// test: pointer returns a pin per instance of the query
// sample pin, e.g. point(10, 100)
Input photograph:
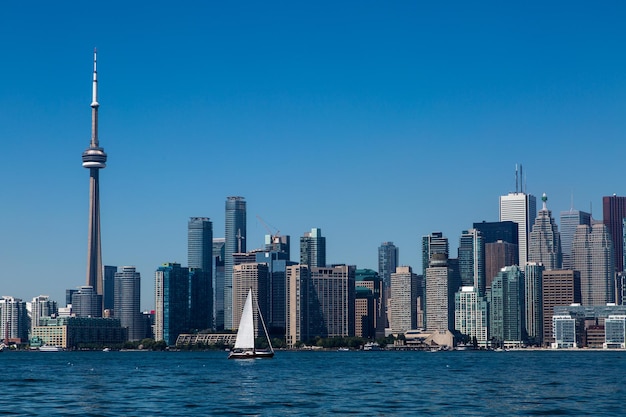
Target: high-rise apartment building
point(41, 306)
point(313, 248)
point(533, 302)
point(559, 288)
point(544, 244)
point(250, 276)
point(470, 315)
point(592, 253)
point(439, 303)
point(127, 305)
point(14, 324)
point(403, 301)
point(435, 243)
point(235, 242)
point(171, 292)
point(200, 259)
point(297, 304)
point(520, 208)
point(570, 220)
point(472, 260)
point(506, 307)
point(613, 214)
point(388, 258)
point(94, 159)
point(332, 295)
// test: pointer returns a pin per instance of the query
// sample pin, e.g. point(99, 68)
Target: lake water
point(314, 383)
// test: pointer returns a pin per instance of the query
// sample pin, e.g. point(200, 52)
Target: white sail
point(245, 333)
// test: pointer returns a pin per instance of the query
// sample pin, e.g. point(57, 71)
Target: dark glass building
point(235, 242)
point(200, 263)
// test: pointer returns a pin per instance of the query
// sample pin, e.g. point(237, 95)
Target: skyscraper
point(200, 259)
point(435, 243)
point(108, 297)
point(592, 253)
point(559, 288)
point(520, 208)
point(41, 306)
point(472, 260)
point(14, 323)
point(533, 302)
point(332, 297)
point(313, 248)
point(613, 214)
point(218, 282)
point(171, 293)
point(570, 220)
point(298, 288)
point(506, 306)
point(94, 159)
point(235, 235)
point(248, 276)
point(388, 255)
point(403, 302)
point(506, 231)
point(439, 303)
point(127, 306)
point(545, 240)
point(498, 255)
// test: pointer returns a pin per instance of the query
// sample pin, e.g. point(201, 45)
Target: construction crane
point(269, 230)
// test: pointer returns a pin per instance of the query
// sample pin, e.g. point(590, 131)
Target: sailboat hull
point(249, 354)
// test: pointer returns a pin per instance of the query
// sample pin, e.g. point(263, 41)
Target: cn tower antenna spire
point(94, 102)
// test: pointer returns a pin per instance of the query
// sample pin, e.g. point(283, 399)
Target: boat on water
point(244, 344)
point(371, 346)
point(50, 348)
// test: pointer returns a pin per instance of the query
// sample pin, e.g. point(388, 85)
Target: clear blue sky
point(375, 121)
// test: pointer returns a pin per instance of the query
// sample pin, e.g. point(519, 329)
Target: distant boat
point(50, 348)
point(371, 346)
point(106, 349)
point(343, 349)
point(244, 344)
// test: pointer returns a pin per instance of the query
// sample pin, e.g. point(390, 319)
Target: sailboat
point(244, 344)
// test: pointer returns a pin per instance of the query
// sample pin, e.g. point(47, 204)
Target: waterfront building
point(218, 282)
point(472, 260)
point(498, 255)
point(613, 214)
point(388, 259)
point(570, 220)
point(439, 303)
point(41, 306)
point(470, 315)
point(564, 330)
point(615, 332)
point(403, 300)
point(14, 322)
point(332, 294)
point(297, 299)
point(520, 208)
point(94, 159)
point(200, 263)
point(235, 242)
point(252, 276)
point(544, 244)
point(559, 288)
point(80, 332)
point(108, 297)
point(592, 253)
point(364, 313)
point(86, 303)
point(506, 307)
point(432, 244)
point(127, 305)
point(370, 279)
point(313, 248)
point(171, 291)
point(533, 302)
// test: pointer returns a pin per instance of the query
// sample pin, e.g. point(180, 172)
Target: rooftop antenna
point(516, 181)
point(521, 177)
point(571, 208)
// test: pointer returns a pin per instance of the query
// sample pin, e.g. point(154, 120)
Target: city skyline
point(207, 102)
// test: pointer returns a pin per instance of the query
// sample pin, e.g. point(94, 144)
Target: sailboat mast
point(267, 335)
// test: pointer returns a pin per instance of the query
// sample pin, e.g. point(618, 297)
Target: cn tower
point(94, 159)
